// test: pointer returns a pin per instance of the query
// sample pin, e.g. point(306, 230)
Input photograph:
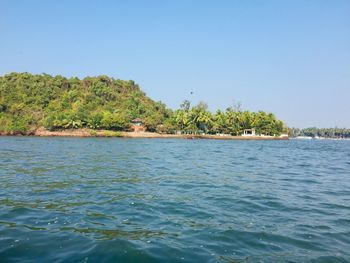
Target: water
point(173, 200)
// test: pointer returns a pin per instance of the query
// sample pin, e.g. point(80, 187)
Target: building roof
point(137, 120)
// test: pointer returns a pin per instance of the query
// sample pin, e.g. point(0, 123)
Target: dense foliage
point(321, 132)
point(231, 121)
point(28, 102)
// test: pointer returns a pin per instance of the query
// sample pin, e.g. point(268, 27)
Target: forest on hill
point(29, 102)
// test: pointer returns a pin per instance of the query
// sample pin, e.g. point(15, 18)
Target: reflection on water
point(163, 200)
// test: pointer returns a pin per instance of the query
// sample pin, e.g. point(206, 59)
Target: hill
point(30, 101)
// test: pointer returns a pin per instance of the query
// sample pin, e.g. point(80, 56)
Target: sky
point(291, 57)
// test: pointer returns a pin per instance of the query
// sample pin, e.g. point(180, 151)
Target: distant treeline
point(321, 132)
point(29, 102)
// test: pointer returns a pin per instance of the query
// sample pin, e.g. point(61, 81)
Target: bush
point(114, 121)
point(18, 126)
point(93, 133)
point(112, 134)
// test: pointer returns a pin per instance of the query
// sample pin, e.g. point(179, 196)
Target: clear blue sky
point(291, 58)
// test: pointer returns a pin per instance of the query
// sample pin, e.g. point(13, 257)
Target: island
point(45, 105)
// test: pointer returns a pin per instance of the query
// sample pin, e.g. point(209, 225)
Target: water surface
point(173, 200)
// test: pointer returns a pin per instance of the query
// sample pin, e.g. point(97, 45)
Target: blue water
point(173, 200)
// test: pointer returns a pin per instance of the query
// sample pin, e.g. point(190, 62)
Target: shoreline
point(150, 135)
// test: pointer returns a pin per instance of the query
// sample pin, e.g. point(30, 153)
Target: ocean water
point(173, 200)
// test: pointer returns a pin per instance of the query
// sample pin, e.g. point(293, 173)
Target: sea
point(173, 200)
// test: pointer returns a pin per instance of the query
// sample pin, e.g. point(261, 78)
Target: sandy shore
point(192, 136)
point(106, 133)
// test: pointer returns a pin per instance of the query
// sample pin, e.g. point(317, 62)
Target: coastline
point(150, 135)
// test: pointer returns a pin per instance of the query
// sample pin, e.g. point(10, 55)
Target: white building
point(249, 132)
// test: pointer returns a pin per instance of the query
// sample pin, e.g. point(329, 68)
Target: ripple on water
point(124, 200)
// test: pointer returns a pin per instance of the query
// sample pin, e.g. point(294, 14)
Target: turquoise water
point(173, 200)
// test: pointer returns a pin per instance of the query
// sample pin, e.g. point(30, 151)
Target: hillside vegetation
point(29, 102)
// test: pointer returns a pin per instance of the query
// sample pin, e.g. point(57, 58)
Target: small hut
point(137, 125)
point(249, 132)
